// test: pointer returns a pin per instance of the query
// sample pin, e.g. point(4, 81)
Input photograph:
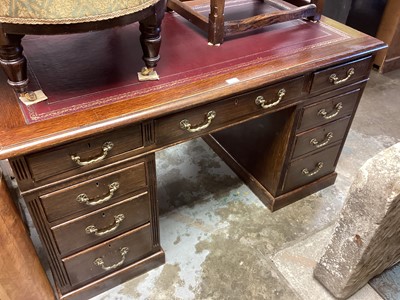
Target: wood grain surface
point(22, 276)
point(20, 138)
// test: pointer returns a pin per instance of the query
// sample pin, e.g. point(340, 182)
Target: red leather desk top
point(92, 87)
point(89, 70)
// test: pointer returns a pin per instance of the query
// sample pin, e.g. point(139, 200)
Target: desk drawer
point(109, 256)
point(102, 224)
point(85, 197)
point(329, 110)
point(98, 149)
point(320, 137)
point(310, 168)
point(200, 120)
point(340, 75)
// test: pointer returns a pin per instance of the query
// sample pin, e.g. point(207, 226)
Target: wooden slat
point(258, 21)
point(189, 14)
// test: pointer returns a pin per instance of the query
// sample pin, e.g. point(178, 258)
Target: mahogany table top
point(85, 100)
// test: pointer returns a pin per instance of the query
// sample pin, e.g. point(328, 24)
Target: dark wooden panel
point(365, 15)
point(123, 216)
point(295, 175)
point(323, 81)
point(228, 111)
point(64, 202)
point(152, 189)
point(259, 146)
point(337, 9)
point(59, 273)
point(48, 163)
point(81, 267)
point(389, 32)
point(320, 138)
point(312, 117)
point(22, 275)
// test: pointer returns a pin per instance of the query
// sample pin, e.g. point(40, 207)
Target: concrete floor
point(222, 243)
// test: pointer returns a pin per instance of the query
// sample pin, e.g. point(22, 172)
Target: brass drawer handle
point(317, 144)
point(332, 114)
point(315, 171)
point(99, 261)
point(261, 101)
point(83, 198)
point(107, 146)
point(100, 232)
point(335, 80)
point(184, 124)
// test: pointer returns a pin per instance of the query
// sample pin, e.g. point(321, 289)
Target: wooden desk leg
point(216, 22)
point(150, 38)
point(13, 61)
point(22, 276)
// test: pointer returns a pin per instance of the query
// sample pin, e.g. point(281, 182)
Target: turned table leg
point(13, 61)
point(150, 38)
point(22, 276)
point(216, 22)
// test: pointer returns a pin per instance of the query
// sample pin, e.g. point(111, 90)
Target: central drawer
point(102, 224)
point(200, 120)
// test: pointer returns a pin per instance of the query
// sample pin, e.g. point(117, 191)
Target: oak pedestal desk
point(276, 105)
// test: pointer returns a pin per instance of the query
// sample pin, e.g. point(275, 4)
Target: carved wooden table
point(277, 110)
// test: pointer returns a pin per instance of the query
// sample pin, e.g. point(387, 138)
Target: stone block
point(366, 238)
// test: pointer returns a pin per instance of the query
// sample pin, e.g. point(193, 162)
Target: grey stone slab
point(296, 263)
point(366, 239)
